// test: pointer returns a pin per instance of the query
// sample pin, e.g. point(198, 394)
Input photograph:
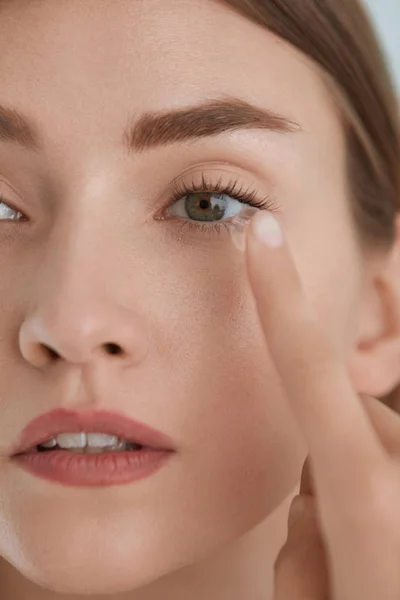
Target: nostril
point(113, 348)
point(51, 353)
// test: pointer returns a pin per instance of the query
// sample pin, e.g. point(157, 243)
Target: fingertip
point(267, 230)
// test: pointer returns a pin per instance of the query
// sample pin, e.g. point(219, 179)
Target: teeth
point(71, 440)
point(100, 440)
point(90, 443)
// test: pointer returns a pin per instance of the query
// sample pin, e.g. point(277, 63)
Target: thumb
point(300, 568)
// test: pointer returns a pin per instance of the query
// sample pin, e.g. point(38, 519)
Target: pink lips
point(108, 468)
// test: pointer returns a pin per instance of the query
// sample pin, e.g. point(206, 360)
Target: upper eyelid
point(219, 172)
point(233, 186)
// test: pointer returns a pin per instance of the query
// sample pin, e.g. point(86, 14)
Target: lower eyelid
point(213, 228)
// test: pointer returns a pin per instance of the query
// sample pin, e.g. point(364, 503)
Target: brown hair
point(340, 38)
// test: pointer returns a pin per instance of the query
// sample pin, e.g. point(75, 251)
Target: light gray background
point(387, 18)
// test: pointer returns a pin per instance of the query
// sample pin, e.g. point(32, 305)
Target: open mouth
point(99, 448)
point(88, 433)
point(86, 443)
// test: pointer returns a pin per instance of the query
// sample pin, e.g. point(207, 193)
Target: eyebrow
point(210, 118)
point(16, 127)
point(154, 129)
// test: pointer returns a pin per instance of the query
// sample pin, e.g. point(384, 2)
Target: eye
point(7, 213)
point(207, 205)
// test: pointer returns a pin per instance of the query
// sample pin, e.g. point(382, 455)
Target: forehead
point(88, 57)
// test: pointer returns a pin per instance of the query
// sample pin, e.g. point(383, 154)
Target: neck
point(242, 569)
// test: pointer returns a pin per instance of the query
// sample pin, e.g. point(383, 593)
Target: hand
point(351, 520)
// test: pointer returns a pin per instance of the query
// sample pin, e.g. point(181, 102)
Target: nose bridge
point(78, 309)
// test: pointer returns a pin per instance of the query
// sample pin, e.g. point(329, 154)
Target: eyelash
point(232, 189)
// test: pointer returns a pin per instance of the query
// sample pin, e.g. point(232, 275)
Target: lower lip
point(108, 468)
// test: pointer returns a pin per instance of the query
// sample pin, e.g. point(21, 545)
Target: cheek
point(243, 447)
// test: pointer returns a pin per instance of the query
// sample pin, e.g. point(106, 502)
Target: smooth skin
point(103, 256)
point(345, 525)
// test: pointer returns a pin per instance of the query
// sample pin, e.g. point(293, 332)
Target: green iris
point(205, 206)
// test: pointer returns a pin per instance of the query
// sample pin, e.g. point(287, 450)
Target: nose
point(83, 312)
point(81, 335)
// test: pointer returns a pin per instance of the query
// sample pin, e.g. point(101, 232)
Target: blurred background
point(386, 14)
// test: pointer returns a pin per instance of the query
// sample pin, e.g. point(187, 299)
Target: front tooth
point(101, 440)
point(71, 440)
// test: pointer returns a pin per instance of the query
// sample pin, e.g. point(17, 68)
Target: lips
point(59, 421)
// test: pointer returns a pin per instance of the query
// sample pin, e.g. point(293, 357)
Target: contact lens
point(238, 236)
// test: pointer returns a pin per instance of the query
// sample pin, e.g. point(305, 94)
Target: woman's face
point(104, 253)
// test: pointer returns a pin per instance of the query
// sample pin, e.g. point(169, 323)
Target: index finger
point(343, 445)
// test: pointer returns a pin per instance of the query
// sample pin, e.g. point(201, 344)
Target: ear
point(374, 365)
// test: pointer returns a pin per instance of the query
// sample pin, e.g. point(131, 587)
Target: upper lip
point(57, 421)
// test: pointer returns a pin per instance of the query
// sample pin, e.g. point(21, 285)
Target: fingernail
point(296, 509)
point(267, 230)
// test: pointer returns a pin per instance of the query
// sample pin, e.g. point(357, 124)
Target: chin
point(99, 554)
point(87, 579)
point(110, 556)
point(111, 569)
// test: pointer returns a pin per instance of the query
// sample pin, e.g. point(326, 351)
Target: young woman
point(166, 371)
